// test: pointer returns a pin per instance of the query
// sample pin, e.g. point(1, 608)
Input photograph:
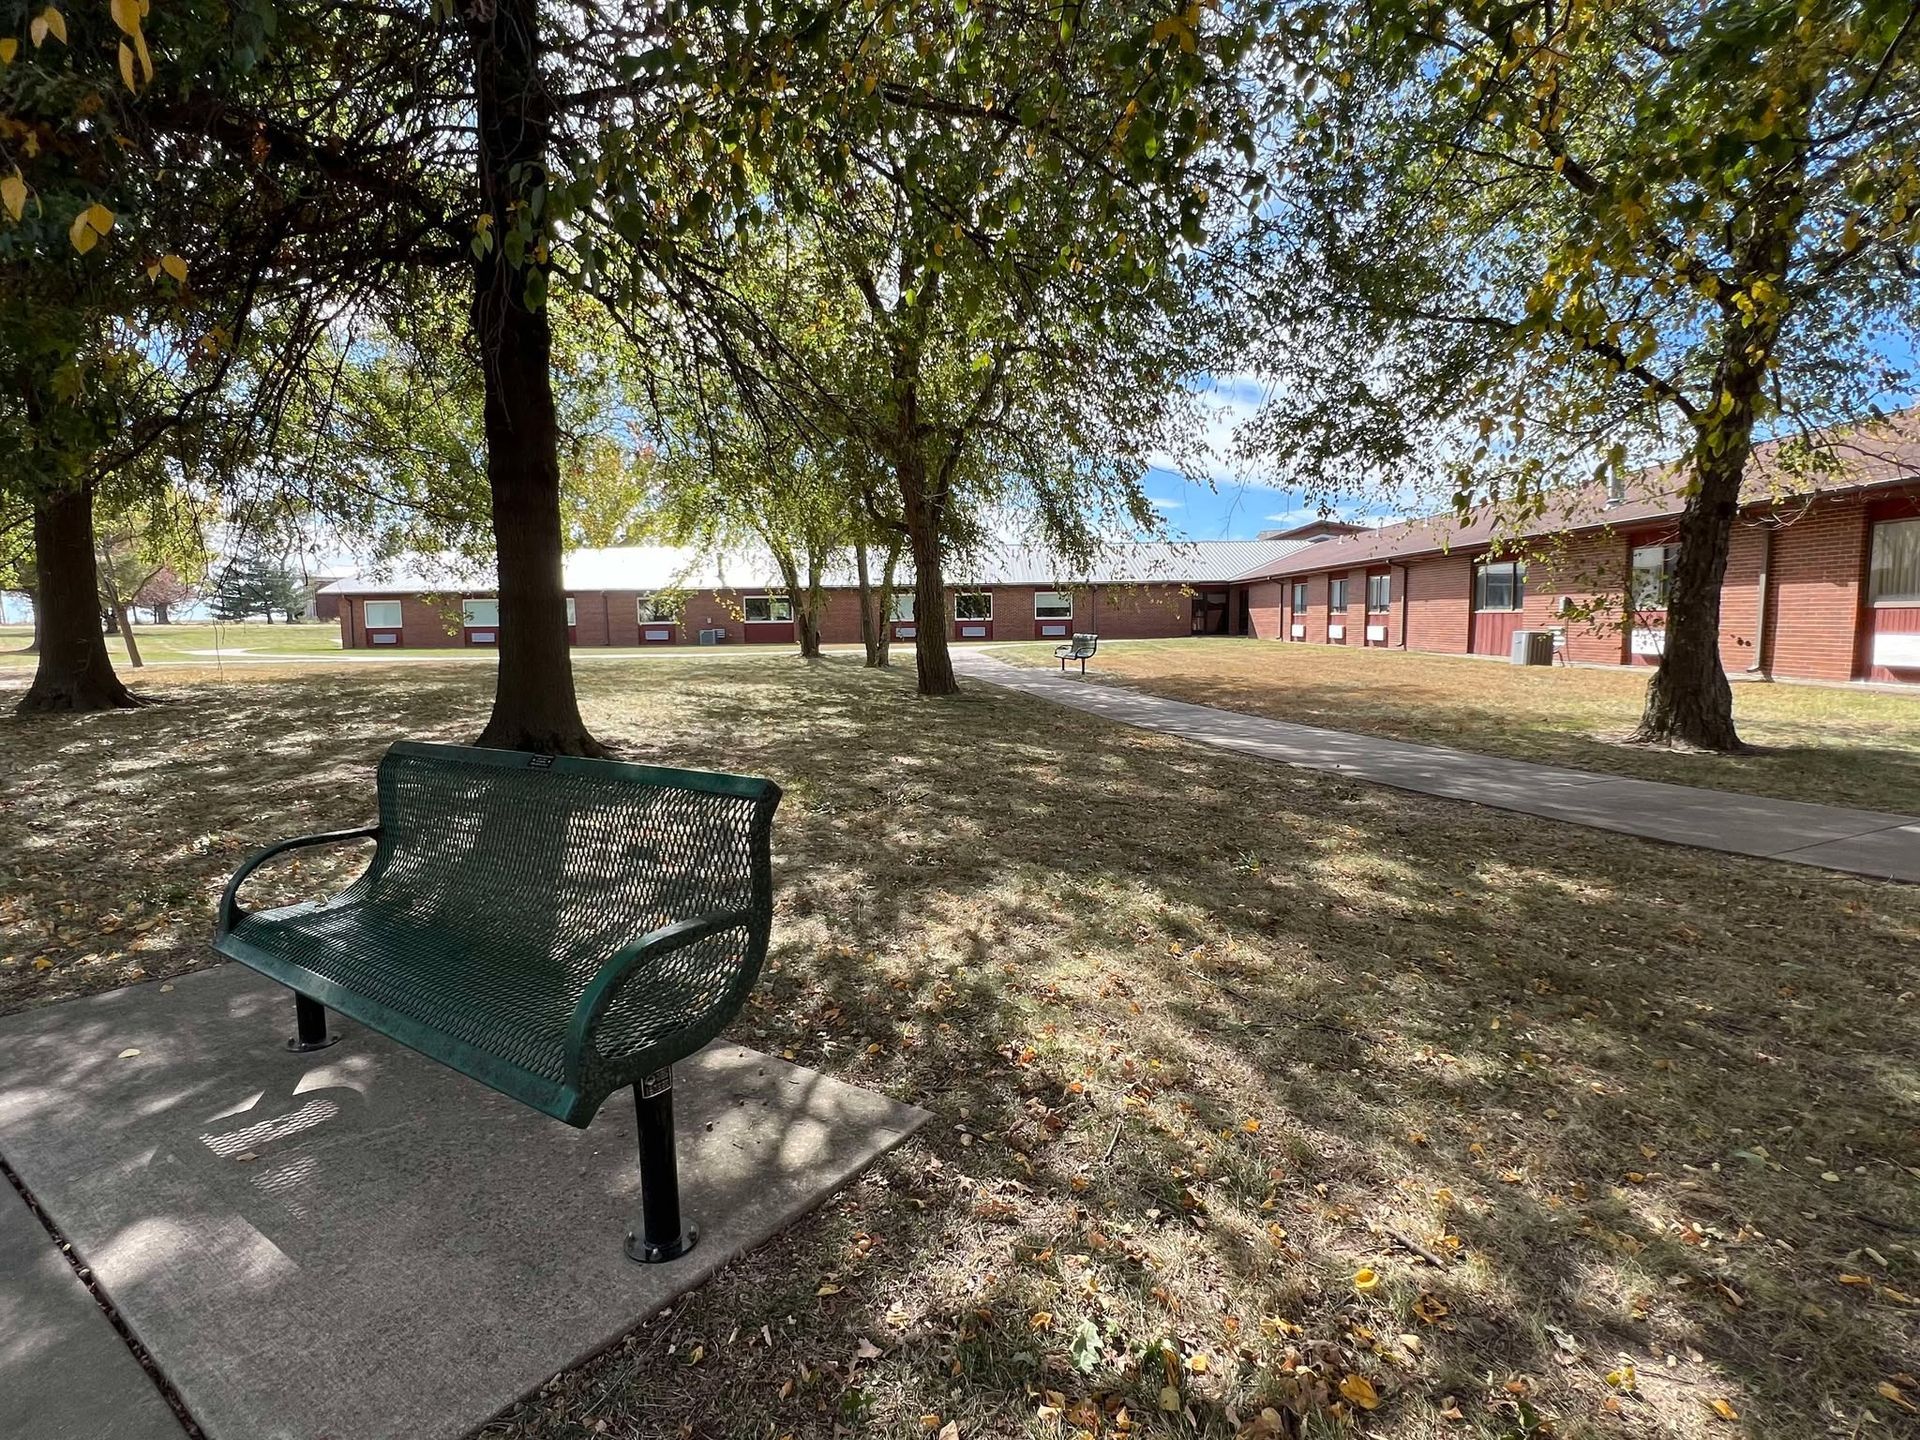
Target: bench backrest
point(563, 857)
point(1085, 644)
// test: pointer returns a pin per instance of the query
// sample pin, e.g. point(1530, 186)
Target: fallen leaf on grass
point(1724, 1410)
point(1366, 1280)
point(1887, 1390)
point(1359, 1390)
point(828, 1290)
point(1169, 1399)
point(129, 1053)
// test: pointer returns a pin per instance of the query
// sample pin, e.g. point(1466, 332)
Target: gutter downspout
point(1406, 581)
point(1762, 589)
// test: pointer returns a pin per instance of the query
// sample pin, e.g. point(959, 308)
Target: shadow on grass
point(1206, 1038)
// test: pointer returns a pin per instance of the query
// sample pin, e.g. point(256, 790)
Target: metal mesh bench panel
point(503, 883)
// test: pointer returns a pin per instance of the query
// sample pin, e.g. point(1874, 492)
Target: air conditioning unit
point(713, 637)
point(1376, 634)
point(1297, 632)
point(1532, 647)
point(1336, 632)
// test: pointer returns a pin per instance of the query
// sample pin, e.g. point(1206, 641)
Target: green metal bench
point(555, 928)
point(1082, 648)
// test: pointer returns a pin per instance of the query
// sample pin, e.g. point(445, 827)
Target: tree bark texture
point(924, 513)
point(534, 704)
point(74, 671)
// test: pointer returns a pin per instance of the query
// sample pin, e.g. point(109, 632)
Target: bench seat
point(556, 929)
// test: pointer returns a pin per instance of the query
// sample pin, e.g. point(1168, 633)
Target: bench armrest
point(630, 960)
point(232, 912)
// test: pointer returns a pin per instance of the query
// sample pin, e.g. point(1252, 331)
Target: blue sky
point(1228, 501)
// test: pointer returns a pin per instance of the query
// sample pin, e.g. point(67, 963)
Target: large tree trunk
point(922, 511)
point(74, 672)
point(1689, 700)
point(806, 600)
point(33, 647)
point(534, 706)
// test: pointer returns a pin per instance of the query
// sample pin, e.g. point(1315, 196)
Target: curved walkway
point(1861, 842)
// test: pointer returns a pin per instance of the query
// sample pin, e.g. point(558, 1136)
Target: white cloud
point(1225, 403)
point(1164, 505)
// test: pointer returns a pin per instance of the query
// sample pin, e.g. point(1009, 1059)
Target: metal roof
point(673, 567)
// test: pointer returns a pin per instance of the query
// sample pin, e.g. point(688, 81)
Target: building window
point(656, 610)
point(382, 614)
point(1299, 597)
point(1052, 605)
point(480, 614)
point(1895, 572)
point(1337, 594)
point(1499, 585)
point(1652, 576)
point(768, 609)
point(1380, 592)
point(571, 622)
point(973, 605)
point(900, 608)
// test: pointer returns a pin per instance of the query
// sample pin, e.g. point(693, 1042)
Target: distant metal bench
point(1082, 648)
point(555, 928)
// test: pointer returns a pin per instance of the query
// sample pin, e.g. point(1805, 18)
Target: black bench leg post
point(661, 1235)
point(309, 1026)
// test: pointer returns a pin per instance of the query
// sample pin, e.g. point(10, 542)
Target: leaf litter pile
point(1266, 1104)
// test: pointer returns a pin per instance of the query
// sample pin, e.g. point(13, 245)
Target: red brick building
point(1823, 582)
point(642, 596)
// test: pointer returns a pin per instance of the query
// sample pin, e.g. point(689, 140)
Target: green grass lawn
point(1812, 742)
point(1256, 1089)
point(193, 643)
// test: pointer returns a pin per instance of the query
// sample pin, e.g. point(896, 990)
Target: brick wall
point(1590, 569)
point(1819, 564)
point(1439, 600)
point(1267, 610)
point(1140, 612)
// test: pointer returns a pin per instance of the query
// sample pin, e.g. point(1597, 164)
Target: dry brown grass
point(1812, 742)
point(1205, 1039)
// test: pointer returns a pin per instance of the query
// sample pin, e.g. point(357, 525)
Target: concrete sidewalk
point(1860, 842)
point(358, 1244)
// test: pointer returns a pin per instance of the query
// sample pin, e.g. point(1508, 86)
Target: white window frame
point(779, 609)
point(571, 620)
point(1058, 596)
point(901, 601)
point(1337, 587)
point(467, 602)
point(367, 607)
point(1877, 563)
point(1300, 603)
point(960, 595)
point(1667, 554)
point(654, 610)
point(1385, 577)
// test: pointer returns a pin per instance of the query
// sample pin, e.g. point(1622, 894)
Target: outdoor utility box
point(713, 637)
point(1533, 647)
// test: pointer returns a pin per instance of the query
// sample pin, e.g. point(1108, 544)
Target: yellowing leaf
point(174, 266)
point(9, 48)
point(126, 14)
point(1169, 1399)
point(1359, 1390)
point(1197, 1364)
point(13, 194)
point(828, 1290)
point(126, 67)
point(128, 1053)
point(1724, 1410)
point(1366, 1280)
point(99, 217)
point(40, 962)
point(48, 22)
